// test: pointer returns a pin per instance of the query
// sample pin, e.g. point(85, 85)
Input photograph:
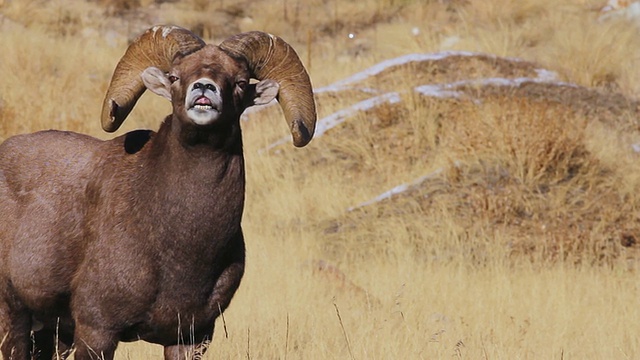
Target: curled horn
point(155, 47)
point(270, 57)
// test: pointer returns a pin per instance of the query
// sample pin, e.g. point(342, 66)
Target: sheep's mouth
point(204, 110)
point(203, 103)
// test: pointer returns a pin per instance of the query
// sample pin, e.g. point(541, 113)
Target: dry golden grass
point(521, 242)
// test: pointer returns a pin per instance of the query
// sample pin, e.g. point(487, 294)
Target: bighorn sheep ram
point(139, 237)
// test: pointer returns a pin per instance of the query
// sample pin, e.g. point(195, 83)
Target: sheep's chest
point(190, 294)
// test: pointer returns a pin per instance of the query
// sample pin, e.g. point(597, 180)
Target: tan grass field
point(518, 233)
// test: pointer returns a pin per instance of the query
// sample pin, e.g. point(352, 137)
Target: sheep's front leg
point(93, 343)
point(224, 289)
point(229, 280)
point(15, 328)
point(15, 338)
point(188, 352)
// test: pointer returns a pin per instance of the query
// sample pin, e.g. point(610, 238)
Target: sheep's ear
point(157, 82)
point(265, 91)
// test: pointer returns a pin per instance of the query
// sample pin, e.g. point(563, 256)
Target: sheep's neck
point(223, 138)
point(208, 175)
point(212, 144)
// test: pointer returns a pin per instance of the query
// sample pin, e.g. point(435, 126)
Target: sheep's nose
point(201, 86)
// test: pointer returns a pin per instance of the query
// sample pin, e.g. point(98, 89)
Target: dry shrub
point(521, 181)
point(535, 140)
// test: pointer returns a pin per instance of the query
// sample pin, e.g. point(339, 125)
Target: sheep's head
point(207, 83)
point(208, 86)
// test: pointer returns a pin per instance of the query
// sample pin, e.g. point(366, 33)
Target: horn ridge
point(157, 46)
point(270, 57)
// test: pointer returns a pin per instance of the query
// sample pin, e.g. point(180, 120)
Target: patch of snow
point(384, 65)
point(546, 75)
point(398, 189)
point(449, 89)
point(439, 91)
point(338, 117)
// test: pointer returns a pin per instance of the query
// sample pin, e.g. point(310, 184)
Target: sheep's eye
point(173, 78)
point(242, 84)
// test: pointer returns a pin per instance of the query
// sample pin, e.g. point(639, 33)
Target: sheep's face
point(203, 101)
point(209, 87)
